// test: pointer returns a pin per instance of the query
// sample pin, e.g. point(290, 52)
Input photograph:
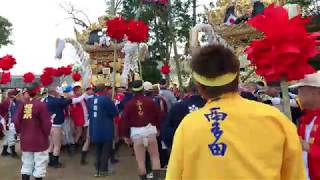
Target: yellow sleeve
point(293, 165)
point(175, 166)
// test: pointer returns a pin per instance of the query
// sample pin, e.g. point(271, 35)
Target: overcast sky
point(36, 26)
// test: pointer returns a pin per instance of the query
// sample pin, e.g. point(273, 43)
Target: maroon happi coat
point(32, 122)
point(139, 112)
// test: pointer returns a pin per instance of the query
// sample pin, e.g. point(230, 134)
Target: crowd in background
point(144, 116)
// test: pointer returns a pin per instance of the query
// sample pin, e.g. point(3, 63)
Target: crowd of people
point(217, 130)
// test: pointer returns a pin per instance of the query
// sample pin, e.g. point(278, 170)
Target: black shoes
point(5, 151)
point(25, 177)
point(13, 152)
point(83, 158)
point(54, 161)
point(50, 159)
point(114, 161)
point(12, 149)
point(143, 177)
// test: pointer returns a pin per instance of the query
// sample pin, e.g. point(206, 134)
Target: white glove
point(3, 123)
point(52, 118)
point(292, 95)
point(11, 127)
point(86, 124)
point(79, 99)
point(276, 101)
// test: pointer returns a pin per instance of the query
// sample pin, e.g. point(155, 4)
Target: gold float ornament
point(118, 79)
point(243, 7)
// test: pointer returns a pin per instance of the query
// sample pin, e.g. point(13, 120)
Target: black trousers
point(103, 154)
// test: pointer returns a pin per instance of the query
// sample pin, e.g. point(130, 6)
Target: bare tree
point(78, 16)
point(113, 6)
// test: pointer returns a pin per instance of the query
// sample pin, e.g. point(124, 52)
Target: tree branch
point(74, 15)
point(118, 3)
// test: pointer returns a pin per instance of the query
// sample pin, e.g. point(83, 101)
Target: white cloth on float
point(143, 132)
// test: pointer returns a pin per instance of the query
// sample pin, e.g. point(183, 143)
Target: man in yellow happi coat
point(230, 137)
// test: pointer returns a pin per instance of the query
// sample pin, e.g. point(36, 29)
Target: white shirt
point(307, 137)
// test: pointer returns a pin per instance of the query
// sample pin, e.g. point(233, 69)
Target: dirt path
point(125, 170)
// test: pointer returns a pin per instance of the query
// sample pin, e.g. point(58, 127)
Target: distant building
point(17, 82)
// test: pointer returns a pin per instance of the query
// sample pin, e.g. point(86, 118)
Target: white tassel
point(60, 45)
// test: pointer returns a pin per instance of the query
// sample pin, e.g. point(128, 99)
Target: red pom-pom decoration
point(57, 72)
point(287, 47)
point(46, 79)
point(165, 69)
point(76, 76)
point(35, 90)
point(138, 31)
point(5, 78)
point(49, 71)
point(7, 62)
point(117, 28)
point(28, 77)
point(160, 2)
point(67, 70)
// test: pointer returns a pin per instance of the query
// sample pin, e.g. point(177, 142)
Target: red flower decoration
point(161, 2)
point(67, 70)
point(286, 48)
point(7, 62)
point(49, 71)
point(46, 79)
point(137, 31)
point(5, 78)
point(165, 69)
point(28, 77)
point(35, 90)
point(58, 72)
point(117, 28)
point(76, 76)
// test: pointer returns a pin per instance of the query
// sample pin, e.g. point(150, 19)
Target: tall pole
point(114, 70)
point(285, 98)
point(194, 4)
point(175, 49)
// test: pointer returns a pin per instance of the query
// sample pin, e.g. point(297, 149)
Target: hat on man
point(100, 88)
point(273, 84)
point(312, 80)
point(163, 82)
point(13, 92)
point(147, 86)
point(34, 88)
point(137, 86)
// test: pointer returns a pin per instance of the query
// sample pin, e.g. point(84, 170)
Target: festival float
point(98, 56)
point(250, 30)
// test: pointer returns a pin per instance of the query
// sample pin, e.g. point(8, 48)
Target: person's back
point(32, 121)
point(257, 142)
point(232, 137)
point(167, 94)
point(137, 118)
point(57, 106)
point(101, 113)
point(176, 115)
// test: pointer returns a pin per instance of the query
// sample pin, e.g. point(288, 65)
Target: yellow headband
point(213, 82)
point(137, 89)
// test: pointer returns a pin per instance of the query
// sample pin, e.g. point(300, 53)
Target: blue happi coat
point(101, 113)
point(57, 105)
